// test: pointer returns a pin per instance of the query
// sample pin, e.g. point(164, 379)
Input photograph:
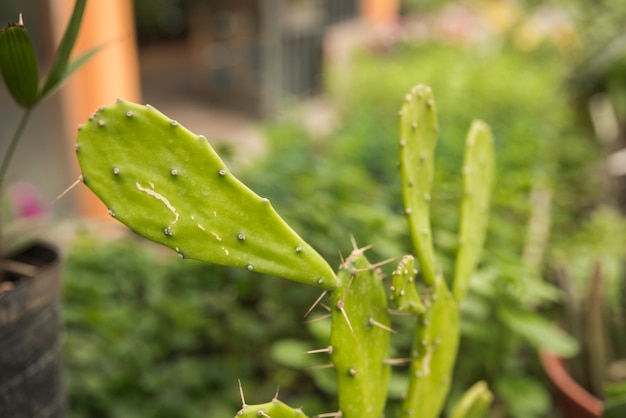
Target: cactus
point(478, 172)
point(167, 184)
point(360, 338)
point(403, 290)
point(474, 403)
point(436, 337)
point(418, 136)
point(271, 409)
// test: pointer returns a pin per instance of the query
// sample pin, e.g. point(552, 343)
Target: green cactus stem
point(474, 403)
point(359, 338)
point(403, 290)
point(478, 172)
point(418, 138)
point(167, 184)
point(436, 337)
point(433, 353)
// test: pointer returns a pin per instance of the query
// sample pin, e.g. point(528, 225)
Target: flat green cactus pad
point(167, 184)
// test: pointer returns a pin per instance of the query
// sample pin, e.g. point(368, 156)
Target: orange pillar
point(380, 14)
point(112, 73)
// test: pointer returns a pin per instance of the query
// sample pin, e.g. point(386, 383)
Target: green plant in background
point(20, 71)
point(167, 184)
point(591, 272)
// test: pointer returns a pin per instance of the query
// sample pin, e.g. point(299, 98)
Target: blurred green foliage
point(160, 338)
point(348, 184)
point(150, 335)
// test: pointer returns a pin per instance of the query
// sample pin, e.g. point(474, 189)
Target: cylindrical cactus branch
point(474, 403)
point(433, 353)
point(359, 338)
point(436, 337)
point(418, 137)
point(403, 291)
point(167, 184)
point(478, 172)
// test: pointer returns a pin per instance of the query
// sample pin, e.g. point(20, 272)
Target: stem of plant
point(6, 161)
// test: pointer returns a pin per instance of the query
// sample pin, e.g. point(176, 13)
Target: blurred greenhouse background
point(301, 97)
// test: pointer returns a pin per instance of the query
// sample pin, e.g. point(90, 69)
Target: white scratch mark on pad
point(217, 237)
point(201, 226)
point(159, 197)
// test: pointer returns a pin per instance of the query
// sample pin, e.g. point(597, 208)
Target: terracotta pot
point(572, 399)
point(30, 342)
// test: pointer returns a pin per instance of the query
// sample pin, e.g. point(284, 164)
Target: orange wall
point(113, 73)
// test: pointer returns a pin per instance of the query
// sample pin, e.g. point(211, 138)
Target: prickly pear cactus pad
point(167, 184)
point(359, 338)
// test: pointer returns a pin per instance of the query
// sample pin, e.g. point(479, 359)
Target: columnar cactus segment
point(168, 184)
point(418, 138)
point(433, 354)
point(478, 172)
point(360, 339)
point(403, 291)
point(474, 403)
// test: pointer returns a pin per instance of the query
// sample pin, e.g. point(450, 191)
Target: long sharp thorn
point(382, 263)
point(328, 350)
point(318, 300)
point(375, 323)
point(345, 315)
point(319, 318)
point(69, 189)
point(337, 414)
point(243, 400)
point(322, 366)
point(276, 394)
point(355, 247)
point(396, 361)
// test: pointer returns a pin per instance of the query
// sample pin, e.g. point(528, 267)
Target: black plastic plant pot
point(31, 368)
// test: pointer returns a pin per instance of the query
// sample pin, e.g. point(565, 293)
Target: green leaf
point(59, 70)
point(538, 331)
point(18, 64)
point(523, 397)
